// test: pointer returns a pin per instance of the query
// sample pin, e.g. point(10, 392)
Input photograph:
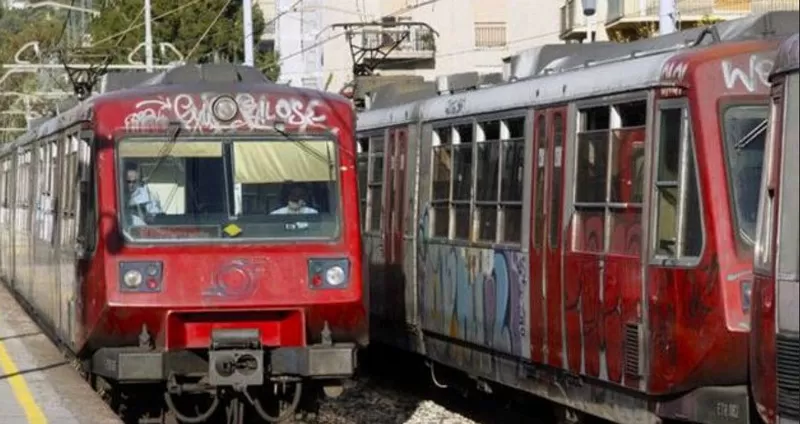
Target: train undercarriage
point(235, 380)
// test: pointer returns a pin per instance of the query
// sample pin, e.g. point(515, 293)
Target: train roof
point(615, 68)
point(788, 59)
point(183, 78)
point(752, 27)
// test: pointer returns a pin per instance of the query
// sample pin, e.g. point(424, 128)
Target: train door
point(45, 269)
point(546, 234)
point(677, 243)
point(394, 215)
point(603, 288)
point(75, 244)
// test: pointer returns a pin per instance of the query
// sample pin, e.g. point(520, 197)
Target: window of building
point(609, 179)
point(679, 230)
point(477, 181)
point(540, 168)
point(490, 34)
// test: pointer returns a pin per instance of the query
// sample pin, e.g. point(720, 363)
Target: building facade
point(473, 35)
point(317, 51)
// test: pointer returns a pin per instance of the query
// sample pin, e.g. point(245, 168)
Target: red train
point(775, 334)
point(584, 234)
point(197, 232)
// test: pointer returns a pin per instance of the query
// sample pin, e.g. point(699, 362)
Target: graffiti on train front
point(474, 294)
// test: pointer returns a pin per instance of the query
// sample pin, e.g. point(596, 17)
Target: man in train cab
point(295, 203)
point(142, 203)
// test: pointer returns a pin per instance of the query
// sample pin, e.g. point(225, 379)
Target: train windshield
point(745, 128)
point(228, 190)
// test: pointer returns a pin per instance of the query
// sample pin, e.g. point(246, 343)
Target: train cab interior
point(262, 187)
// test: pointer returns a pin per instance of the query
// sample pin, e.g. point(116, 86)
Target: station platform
point(38, 384)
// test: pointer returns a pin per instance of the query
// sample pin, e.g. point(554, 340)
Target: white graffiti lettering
point(674, 71)
point(758, 70)
point(195, 113)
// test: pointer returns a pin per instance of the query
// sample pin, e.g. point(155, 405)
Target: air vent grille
point(632, 351)
point(788, 370)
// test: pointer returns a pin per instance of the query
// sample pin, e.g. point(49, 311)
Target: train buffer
point(38, 384)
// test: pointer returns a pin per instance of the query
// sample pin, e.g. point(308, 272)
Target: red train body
point(585, 234)
point(775, 334)
point(214, 286)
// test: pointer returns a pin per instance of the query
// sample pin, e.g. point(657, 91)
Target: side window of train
point(24, 192)
point(6, 186)
point(46, 194)
point(541, 155)
point(609, 178)
point(362, 165)
point(679, 229)
point(485, 206)
point(87, 204)
point(374, 200)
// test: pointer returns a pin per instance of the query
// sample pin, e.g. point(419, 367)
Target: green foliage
point(269, 63)
point(18, 27)
point(223, 43)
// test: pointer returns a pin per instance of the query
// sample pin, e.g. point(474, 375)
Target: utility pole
point(247, 23)
point(148, 36)
point(666, 17)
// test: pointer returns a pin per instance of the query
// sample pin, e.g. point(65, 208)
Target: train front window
point(234, 190)
point(744, 131)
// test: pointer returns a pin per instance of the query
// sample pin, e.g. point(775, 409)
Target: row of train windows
point(43, 181)
point(477, 181)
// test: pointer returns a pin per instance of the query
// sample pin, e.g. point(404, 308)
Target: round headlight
point(225, 108)
point(132, 278)
point(334, 275)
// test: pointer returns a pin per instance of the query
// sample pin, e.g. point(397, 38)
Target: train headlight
point(141, 276)
point(132, 279)
point(328, 273)
point(225, 108)
point(335, 275)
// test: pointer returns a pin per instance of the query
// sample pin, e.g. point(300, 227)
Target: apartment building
point(473, 35)
point(624, 20)
point(470, 35)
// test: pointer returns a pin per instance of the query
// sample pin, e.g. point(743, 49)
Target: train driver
point(295, 203)
point(142, 203)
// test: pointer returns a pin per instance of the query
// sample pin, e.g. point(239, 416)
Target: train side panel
point(775, 333)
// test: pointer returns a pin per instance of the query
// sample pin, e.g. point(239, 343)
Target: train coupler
point(236, 358)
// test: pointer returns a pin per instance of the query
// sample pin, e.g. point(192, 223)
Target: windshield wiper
point(752, 135)
point(165, 151)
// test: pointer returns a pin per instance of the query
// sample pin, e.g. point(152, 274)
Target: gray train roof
point(756, 26)
point(610, 78)
point(788, 59)
point(630, 75)
point(614, 67)
point(387, 117)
